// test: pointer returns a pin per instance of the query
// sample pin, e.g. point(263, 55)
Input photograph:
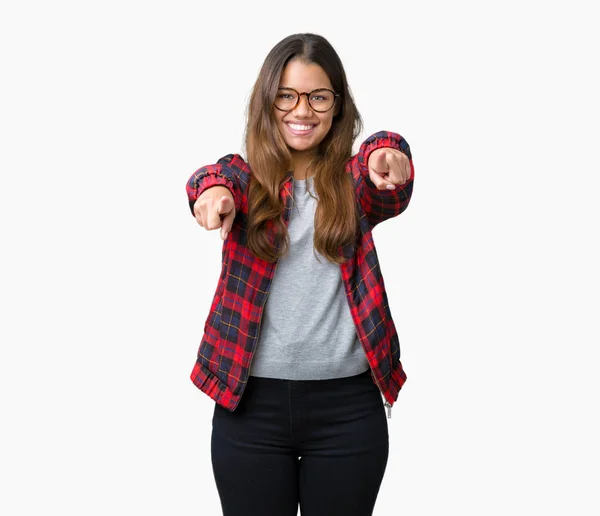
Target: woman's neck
point(300, 162)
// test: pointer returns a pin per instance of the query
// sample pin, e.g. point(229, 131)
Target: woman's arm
point(380, 205)
point(212, 175)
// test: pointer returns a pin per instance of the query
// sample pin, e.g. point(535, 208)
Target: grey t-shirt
point(307, 332)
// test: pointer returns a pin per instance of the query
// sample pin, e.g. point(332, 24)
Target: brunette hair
point(336, 218)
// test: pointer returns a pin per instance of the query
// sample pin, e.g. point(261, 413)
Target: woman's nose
point(303, 107)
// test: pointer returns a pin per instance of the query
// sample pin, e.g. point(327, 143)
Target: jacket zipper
point(386, 403)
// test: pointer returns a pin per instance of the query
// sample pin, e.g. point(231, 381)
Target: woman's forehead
point(304, 76)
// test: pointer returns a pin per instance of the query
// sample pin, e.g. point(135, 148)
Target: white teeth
point(297, 127)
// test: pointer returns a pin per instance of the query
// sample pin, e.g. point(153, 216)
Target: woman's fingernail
point(390, 187)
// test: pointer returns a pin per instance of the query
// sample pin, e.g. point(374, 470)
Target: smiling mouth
point(300, 129)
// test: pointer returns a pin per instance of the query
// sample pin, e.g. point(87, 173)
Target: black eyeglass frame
point(335, 96)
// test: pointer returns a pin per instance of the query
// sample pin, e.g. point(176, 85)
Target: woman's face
point(302, 128)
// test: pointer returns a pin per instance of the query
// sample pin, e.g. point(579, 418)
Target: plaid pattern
point(233, 323)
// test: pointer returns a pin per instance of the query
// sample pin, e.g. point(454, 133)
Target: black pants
point(320, 444)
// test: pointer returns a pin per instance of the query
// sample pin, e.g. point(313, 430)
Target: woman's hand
point(215, 209)
point(388, 167)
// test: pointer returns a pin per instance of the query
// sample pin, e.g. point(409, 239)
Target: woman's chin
point(302, 147)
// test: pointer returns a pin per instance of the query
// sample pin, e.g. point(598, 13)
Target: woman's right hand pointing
point(214, 209)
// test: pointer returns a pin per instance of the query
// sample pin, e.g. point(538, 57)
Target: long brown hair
point(269, 158)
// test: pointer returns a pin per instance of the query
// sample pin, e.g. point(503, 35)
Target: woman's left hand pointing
point(388, 167)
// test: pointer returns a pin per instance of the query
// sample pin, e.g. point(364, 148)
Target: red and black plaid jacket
point(232, 327)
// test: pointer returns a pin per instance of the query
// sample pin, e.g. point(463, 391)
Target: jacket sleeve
point(214, 175)
point(380, 205)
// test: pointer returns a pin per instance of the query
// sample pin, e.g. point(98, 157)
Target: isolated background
point(106, 279)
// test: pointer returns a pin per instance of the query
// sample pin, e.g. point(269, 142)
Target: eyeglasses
point(320, 100)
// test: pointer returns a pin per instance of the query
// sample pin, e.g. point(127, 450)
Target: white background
point(106, 279)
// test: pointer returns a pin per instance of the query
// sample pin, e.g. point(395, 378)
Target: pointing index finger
point(381, 163)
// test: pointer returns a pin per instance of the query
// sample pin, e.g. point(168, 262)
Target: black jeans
point(320, 444)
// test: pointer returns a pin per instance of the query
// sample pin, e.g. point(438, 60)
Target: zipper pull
point(389, 409)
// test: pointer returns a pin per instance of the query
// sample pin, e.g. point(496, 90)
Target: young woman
point(299, 346)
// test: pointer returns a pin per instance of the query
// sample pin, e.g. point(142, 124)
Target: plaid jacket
point(232, 327)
